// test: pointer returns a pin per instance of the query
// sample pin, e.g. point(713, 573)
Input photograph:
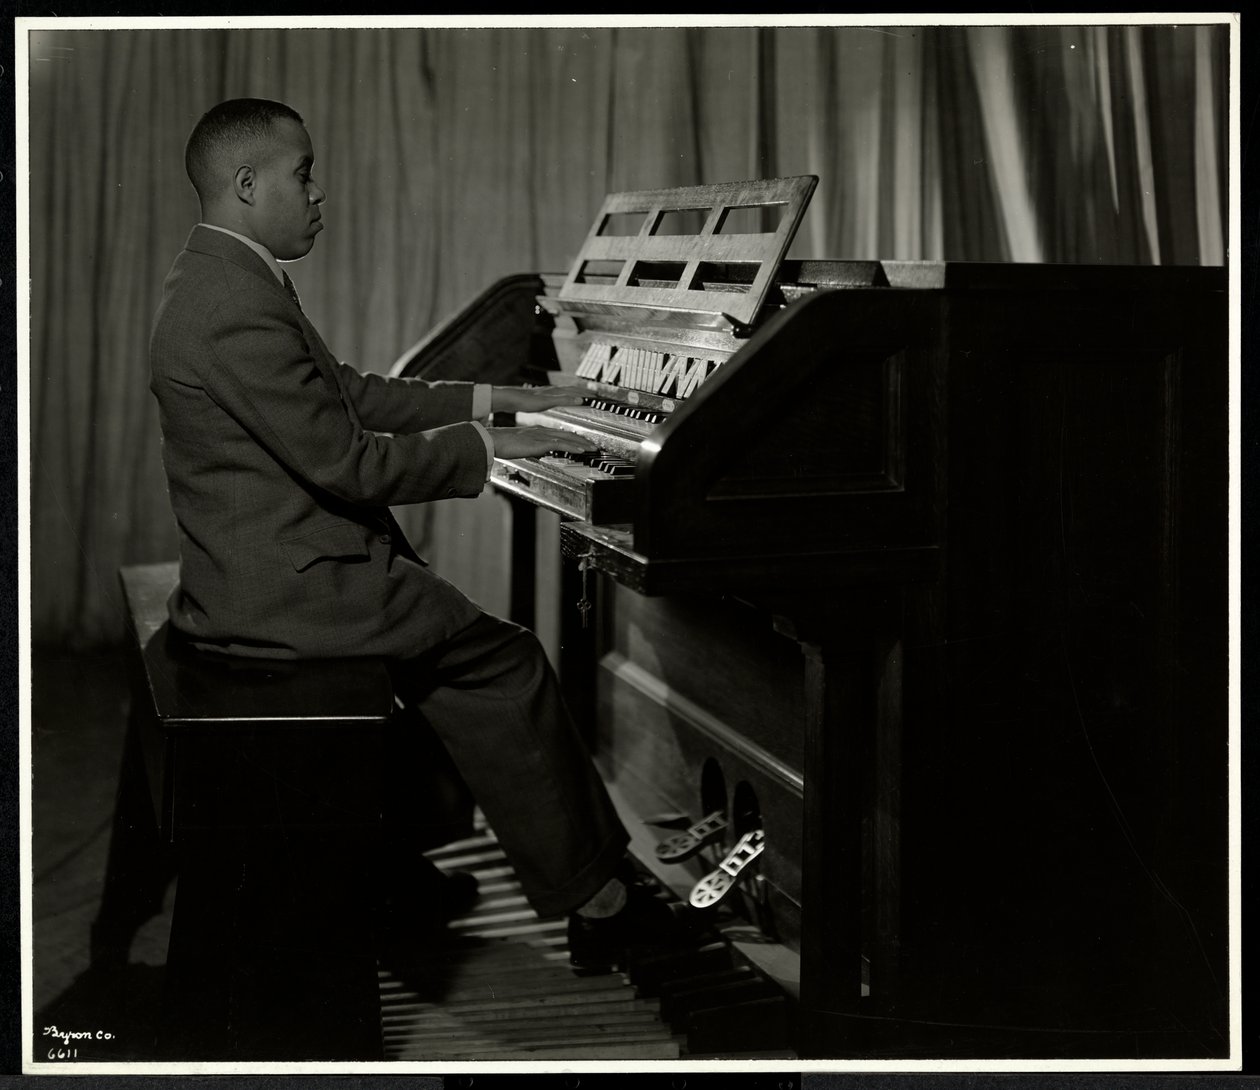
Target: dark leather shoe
point(410, 927)
point(603, 945)
point(428, 903)
point(458, 895)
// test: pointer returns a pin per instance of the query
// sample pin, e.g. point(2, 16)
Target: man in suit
point(282, 464)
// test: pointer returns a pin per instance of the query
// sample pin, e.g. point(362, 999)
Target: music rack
point(708, 277)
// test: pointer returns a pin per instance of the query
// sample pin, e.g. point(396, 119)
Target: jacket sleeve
point(262, 372)
point(404, 405)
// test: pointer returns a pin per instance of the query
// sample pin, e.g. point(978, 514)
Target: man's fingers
point(567, 440)
point(534, 398)
point(550, 399)
point(535, 441)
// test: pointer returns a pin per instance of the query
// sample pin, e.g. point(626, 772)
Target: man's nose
point(316, 195)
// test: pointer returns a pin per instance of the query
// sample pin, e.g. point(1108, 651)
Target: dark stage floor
point(78, 720)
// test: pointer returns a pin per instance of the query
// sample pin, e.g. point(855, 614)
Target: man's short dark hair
point(229, 125)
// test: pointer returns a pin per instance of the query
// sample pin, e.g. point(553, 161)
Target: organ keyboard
point(889, 560)
point(645, 320)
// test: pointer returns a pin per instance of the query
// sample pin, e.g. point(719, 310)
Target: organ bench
point(268, 785)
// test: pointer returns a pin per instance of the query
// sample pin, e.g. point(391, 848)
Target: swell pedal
point(717, 884)
point(682, 846)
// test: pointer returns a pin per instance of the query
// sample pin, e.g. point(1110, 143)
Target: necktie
point(288, 286)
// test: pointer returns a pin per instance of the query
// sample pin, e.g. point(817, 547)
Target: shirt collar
point(257, 247)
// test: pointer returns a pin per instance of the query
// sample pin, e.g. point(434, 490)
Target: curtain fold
point(453, 157)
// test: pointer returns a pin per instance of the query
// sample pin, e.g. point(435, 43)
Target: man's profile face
point(285, 215)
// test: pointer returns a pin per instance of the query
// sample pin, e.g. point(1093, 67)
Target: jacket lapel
point(205, 240)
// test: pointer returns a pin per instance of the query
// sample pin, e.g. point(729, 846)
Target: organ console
point(896, 595)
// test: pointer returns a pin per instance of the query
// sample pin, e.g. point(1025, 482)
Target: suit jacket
point(282, 464)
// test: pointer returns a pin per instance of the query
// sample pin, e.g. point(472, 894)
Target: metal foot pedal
point(715, 885)
point(684, 845)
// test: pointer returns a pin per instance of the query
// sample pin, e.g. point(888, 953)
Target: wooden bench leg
point(139, 867)
point(271, 954)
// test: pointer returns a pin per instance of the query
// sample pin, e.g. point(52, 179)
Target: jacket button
point(450, 491)
point(384, 539)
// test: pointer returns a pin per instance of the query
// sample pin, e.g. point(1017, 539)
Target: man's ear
point(243, 183)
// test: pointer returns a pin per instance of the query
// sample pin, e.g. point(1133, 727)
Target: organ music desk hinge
point(584, 603)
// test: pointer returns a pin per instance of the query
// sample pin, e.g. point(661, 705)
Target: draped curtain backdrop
point(455, 156)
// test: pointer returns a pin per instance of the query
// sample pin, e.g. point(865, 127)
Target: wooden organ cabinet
point(919, 570)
